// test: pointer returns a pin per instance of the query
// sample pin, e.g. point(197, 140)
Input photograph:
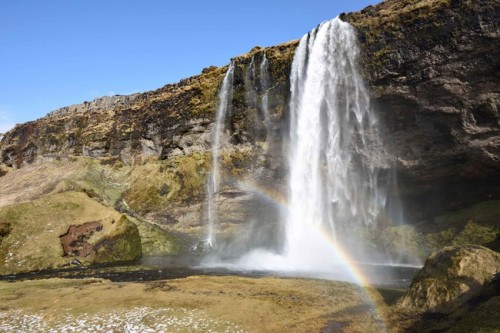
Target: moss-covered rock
point(178, 179)
point(31, 240)
point(477, 224)
point(450, 278)
point(122, 244)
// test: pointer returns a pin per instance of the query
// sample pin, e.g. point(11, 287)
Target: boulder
point(64, 229)
point(452, 277)
point(122, 244)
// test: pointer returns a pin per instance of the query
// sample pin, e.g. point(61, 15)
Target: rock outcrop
point(433, 71)
point(99, 104)
point(92, 233)
point(452, 277)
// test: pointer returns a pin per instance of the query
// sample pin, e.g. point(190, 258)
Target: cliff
point(434, 75)
point(432, 70)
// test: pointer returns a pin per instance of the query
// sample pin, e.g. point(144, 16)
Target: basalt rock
point(433, 72)
point(452, 277)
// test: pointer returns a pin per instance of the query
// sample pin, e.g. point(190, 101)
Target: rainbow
point(281, 201)
point(357, 275)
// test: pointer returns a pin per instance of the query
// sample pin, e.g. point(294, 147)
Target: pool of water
point(175, 267)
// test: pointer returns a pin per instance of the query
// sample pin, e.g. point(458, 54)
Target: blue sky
point(60, 52)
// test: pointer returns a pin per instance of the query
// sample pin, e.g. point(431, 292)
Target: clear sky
point(60, 52)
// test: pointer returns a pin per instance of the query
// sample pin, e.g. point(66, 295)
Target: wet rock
point(204, 246)
point(434, 84)
point(452, 277)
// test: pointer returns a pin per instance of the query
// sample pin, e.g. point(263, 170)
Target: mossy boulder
point(31, 234)
point(477, 224)
point(122, 244)
point(450, 278)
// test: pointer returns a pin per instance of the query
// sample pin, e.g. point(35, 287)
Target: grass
point(225, 303)
point(157, 241)
point(33, 241)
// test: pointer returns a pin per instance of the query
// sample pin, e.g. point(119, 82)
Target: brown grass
point(256, 305)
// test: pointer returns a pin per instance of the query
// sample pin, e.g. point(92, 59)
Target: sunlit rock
point(451, 277)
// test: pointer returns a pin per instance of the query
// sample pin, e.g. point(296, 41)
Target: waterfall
point(213, 184)
point(334, 195)
point(329, 189)
point(259, 81)
point(336, 201)
point(251, 96)
point(265, 84)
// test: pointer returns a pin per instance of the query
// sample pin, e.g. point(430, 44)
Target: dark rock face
point(452, 277)
point(5, 228)
point(173, 120)
point(434, 75)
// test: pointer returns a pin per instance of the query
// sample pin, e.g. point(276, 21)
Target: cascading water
point(251, 96)
point(213, 185)
point(259, 81)
point(329, 190)
point(335, 201)
point(264, 85)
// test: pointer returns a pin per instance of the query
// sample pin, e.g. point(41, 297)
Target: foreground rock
point(30, 234)
point(452, 277)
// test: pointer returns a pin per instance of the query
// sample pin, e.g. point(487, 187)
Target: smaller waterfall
point(257, 85)
point(251, 94)
point(265, 83)
point(213, 184)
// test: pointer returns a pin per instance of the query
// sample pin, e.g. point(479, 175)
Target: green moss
point(477, 224)
point(123, 244)
point(156, 241)
point(471, 233)
point(183, 176)
point(203, 103)
point(34, 228)
point(98, 179)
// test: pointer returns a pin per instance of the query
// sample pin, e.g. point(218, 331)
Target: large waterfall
point(330, 192)
point(335, 201)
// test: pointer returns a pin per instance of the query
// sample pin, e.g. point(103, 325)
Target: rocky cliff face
point(434, 75)
point(173, 120)
point(432, 70)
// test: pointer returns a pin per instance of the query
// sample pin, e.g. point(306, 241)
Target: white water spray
point(213, 185)
point(329, 191)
